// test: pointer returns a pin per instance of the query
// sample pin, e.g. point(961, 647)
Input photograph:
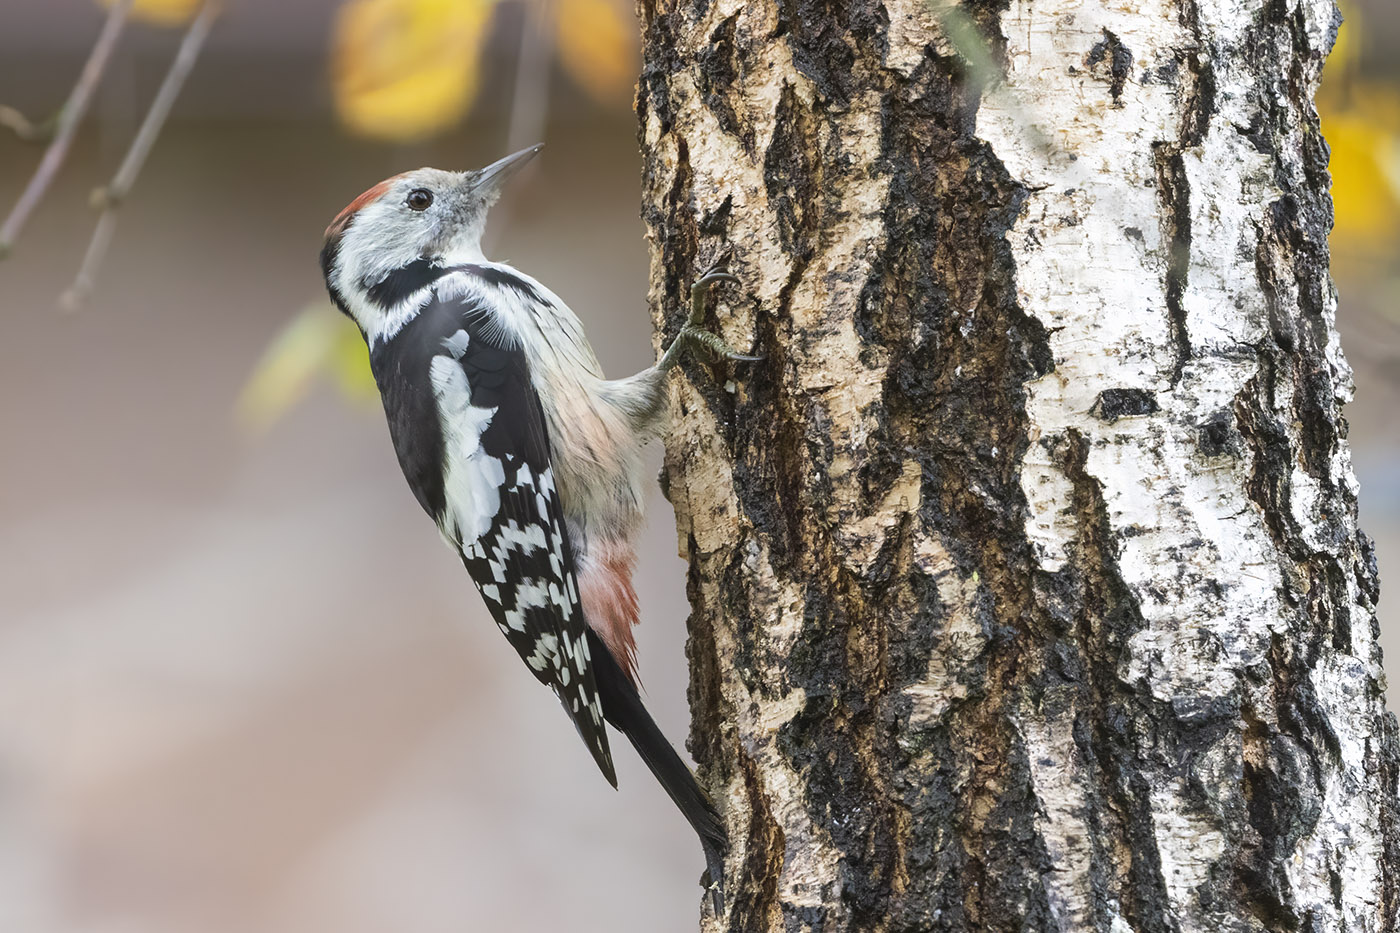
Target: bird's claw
point(693, 333)
point(700, 291)
point(714, 344)
point(710, 278)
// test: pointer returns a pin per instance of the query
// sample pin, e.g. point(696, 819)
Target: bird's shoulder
point(453, 383)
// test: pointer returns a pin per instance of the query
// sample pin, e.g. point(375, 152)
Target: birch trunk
point(1026, 581)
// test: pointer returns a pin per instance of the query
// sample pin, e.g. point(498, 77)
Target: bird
point(525, 456)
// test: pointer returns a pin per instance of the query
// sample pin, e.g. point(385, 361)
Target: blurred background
point(243, 687)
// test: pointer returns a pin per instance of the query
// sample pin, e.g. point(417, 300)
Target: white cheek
point(384, 240)
point(378, 242)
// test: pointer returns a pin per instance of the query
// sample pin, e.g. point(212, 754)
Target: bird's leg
point(693, 333)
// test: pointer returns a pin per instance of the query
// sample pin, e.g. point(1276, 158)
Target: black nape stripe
point(419, 274)
point(399, 284)
point(503, 279)
point(329, 252)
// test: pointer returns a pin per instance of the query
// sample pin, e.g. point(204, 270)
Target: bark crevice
point(1027, 592)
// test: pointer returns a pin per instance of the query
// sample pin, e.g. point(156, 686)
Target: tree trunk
point(1026, 581)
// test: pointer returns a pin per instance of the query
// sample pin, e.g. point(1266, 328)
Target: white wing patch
point(473, 480)
point(499, 546)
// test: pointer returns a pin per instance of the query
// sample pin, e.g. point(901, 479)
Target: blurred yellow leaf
point(349, 364)
point(318, 341)
point(406, 69)
point(1390, 165)
point(162, 12)
point(1362, 129)
point(596, 41)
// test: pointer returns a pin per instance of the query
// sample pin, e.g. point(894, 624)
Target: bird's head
point(421, 220)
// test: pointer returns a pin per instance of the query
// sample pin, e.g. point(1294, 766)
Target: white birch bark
point(1027, 588)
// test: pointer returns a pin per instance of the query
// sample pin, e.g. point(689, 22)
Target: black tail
point(623, 708)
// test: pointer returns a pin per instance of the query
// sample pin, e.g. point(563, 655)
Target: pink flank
point(610, 602)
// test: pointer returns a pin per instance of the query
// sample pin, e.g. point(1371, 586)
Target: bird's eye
point(419, 199)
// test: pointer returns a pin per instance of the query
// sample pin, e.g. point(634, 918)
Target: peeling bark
point(1026, 582)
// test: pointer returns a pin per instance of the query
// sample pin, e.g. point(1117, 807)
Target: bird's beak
point(489, 180)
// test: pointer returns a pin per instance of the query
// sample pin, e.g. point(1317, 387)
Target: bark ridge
point(1027, 589)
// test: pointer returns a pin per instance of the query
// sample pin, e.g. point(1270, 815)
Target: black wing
point(470, 433)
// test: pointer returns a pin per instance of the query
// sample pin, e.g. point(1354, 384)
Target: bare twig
point(529, 93)
point(68, 119)
point(109, 197)
point(78, 292)
point(185, 58)
point(529, 99)
point(26, 129)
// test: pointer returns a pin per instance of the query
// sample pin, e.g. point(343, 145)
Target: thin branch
point(529, 99)
point(185, 58)
point(529, 93)
point(27, 130)
point(68, 119)
point(109, 198)
point(78, 292)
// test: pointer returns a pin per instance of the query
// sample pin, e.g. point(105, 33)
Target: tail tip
point(602, 757)
point(713, 878)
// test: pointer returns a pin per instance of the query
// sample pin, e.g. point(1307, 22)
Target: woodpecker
point(526, 457)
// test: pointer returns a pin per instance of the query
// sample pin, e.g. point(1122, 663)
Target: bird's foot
point(693, 334)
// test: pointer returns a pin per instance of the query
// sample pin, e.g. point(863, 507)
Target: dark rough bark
point(1027, 587)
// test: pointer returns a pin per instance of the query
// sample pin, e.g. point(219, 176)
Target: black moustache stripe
point(400, 283)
